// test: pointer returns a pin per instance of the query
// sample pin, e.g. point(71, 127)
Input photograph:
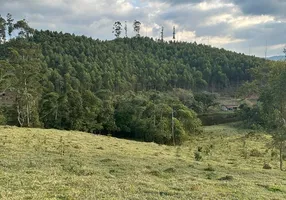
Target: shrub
point(198, 156)
point(267, 166)
point(226, 178)
point(255, 153)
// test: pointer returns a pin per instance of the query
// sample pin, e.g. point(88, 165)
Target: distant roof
point(230, 106)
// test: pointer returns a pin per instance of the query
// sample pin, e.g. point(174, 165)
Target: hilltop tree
point(137, 27)
point(10, 24)
point(117, 29)
point(2, 30)
point(24, 29)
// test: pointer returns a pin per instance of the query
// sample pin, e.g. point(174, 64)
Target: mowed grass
point(51, 164)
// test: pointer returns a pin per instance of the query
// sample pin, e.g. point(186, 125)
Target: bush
point(267, 166)
point(226, 178)
point(255, 153)
point(198, 156)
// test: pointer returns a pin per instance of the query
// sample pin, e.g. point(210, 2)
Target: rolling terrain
point(52, 164)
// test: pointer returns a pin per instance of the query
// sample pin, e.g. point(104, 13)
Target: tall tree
point(10, 24)
point(270, 112)
point(2, 30)
point(25, 57)
point(273, 100)
point(24, 29)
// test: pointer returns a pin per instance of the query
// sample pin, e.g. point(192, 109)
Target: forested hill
point(142, 63)
point(130, 87)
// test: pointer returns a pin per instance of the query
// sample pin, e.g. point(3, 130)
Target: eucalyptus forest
point(139, 87)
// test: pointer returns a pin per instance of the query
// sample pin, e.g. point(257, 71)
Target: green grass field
point(51, 164)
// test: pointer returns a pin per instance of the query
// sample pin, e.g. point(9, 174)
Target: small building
point(229, 107)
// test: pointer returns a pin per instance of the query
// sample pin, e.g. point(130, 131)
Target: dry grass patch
point(51, 164)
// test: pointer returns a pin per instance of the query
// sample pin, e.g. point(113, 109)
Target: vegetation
point(270, 112)
point(50, 164)
point(129, 87)
point(141, 89)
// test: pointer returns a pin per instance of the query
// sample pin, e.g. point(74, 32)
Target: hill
point(129, 87)
point(51, 164)
point(277, 58)
point(143, 63)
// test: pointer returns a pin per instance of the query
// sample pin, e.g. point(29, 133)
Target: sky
point(252, 27)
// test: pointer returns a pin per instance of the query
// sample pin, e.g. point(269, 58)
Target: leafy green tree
point(270, 112)
point(24, 29)
point(10, 24)
point(274, 104)
point(25, 58)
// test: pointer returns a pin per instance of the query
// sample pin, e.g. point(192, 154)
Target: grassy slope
point(50, 164)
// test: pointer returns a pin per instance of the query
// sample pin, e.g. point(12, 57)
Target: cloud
point(231, 24)
point(262, 7)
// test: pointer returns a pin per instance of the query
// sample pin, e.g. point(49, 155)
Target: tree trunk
point(173, 133)
point(19, 116)
point(281, 155)
point(28, 115)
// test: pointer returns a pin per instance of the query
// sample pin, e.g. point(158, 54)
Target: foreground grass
point(50, 164)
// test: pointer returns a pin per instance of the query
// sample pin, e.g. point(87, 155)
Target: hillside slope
point(277, 58)
point(50, 164)
point(142, 63)
point(127, 87)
